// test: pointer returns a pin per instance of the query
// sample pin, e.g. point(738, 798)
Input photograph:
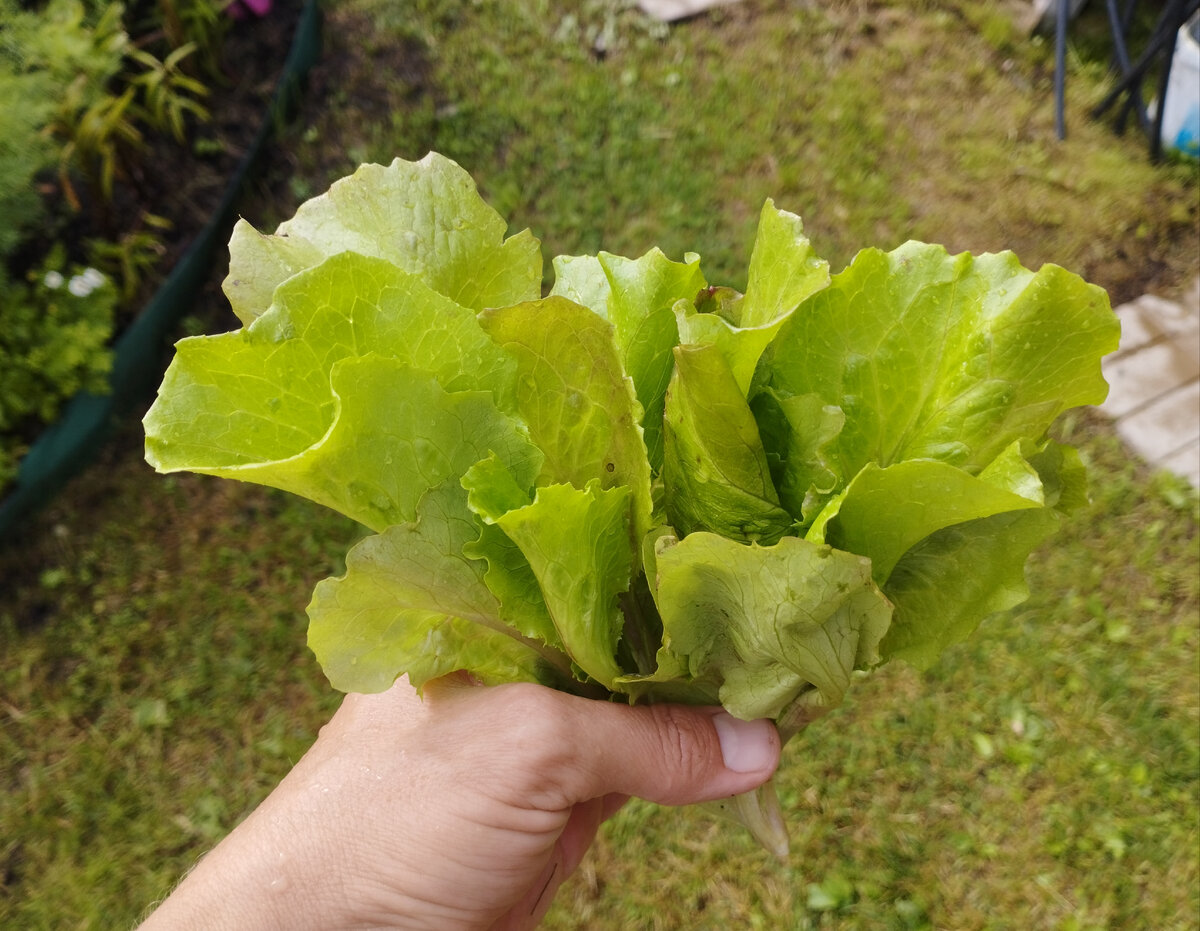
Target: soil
point(187, 190)
point(182, 183)
point(358, 72)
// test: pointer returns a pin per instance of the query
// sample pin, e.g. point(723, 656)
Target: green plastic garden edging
point(88, 420)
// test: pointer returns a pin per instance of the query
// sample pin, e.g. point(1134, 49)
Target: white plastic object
point(1181, 108)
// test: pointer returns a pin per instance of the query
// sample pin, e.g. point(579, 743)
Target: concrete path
point(1155, 379)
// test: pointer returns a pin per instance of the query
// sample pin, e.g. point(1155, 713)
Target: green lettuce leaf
point(512, 580)
point(798, 433)
point(331, 396)
point(715, 472)
point(768, 624)
point(636, 296)
point(1013, 472)
point(390, 432)
point(573, 394)
point(423, 217)
point(784, 271)
point(492, 491)
point(885, 512)
point(259, 263)
point(947, 548)
point(1062, 473)
point(352, 304)
point(949, 582)
point(933, 356)
point(581, 279)
point(576, 542)
point(412, 602)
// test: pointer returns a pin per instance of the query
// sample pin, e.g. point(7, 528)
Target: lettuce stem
point(760, 813)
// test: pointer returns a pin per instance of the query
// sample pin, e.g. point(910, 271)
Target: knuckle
point(688, 744)
point(536, 712)
point(539, 732)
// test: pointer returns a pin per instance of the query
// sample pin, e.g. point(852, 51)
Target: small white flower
point(53, 280)
point(79, 286)
point(93, 277)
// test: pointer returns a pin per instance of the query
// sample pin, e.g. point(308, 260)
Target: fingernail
point(746, 746)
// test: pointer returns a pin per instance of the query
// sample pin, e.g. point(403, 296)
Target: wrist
point(251, 880)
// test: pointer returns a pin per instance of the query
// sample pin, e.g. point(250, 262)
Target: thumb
point(671, 754)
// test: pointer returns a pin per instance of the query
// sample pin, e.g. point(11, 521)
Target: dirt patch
point(980, 129)
point(360, 82)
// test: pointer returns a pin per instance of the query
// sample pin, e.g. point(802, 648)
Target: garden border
point(89, 419)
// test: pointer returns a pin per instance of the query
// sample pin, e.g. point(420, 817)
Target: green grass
point(877, 122)
point(154, 682)
point(154, 685)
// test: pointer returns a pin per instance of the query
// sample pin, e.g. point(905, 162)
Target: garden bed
point(188, 200)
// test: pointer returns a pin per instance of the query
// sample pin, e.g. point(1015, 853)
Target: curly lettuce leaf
point(934, 356)
point(1061, 471)
point(390, 433)
point(766, 625)
point(493, 491)
point(412, 602)
point(715, 472)
point(947, 548)
point(885, 512)
point(797, 434)
point(636, 296)
point(425, 217)
point(949, 582)
point(573, 394)
point(512, 580)
point(581, 279)
point(353, 304)
point(576, 543)
point(784, 271)
point(259, 263)
point(360, 389)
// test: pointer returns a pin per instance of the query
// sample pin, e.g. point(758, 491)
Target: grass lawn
point(154, 682)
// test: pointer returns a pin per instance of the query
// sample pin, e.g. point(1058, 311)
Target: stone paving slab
point(1185, 462)
point(1167, 425)
point(668, 11)
point(1137, 379)
point(1155, 382)
point(1151, 318)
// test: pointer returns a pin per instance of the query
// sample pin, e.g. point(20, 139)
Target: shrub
point(47, 57)
point(52, 345)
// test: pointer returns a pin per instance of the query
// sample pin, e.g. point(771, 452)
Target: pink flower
point(239, 8)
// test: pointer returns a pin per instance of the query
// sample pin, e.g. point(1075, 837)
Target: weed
point(199, 24)
point(168, 95)
point(96, 139)
point(133, 255)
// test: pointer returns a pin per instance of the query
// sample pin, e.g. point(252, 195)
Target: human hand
point(465, 809)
